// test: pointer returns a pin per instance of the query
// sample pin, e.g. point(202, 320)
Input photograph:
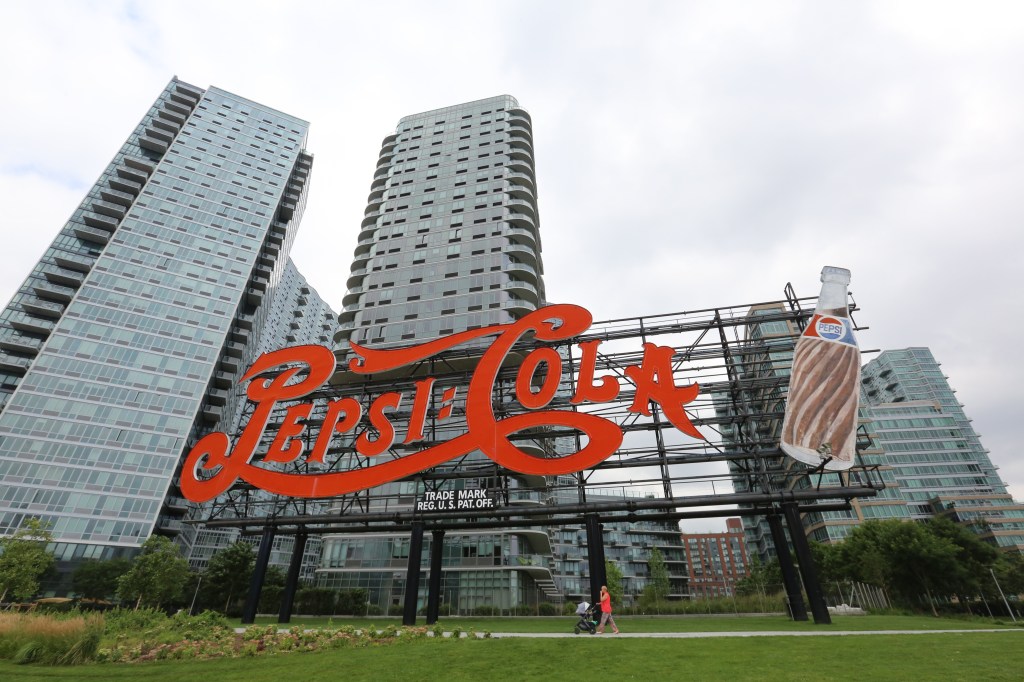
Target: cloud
point(689, 154)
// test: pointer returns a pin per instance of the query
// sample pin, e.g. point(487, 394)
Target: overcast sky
point(689, 154)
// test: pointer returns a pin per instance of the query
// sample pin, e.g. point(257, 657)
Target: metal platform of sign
point(553, 419)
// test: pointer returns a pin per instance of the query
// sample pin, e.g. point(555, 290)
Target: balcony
point(526, 254)
point(223, 379)
point(42, 308)
point(159, 134)
point(523, 290)
point(129, 187)
point(20, 343)
point(168, 126)
point(180, 97)
point(212, 414)
point(171, 116)
point(233, 349)
point(73, 261)
point(152, 144)
point(133, 174)
point(521, 235)
point(177, 107)
point(14, 364)
point(53, 292)
point(90, 234)
point(218, 397)
point(111, 210)
point(61, 277)
point(101, 222)
point(112, 196)
point(523, 206)
point(521, 179)
point(520, 219)
point(30, 324)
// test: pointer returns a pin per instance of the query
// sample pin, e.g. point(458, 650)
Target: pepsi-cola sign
point(213, 465)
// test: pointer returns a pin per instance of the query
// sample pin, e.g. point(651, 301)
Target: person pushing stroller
point(587, 618)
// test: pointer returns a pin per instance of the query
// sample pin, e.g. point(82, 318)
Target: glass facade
point(940, 465)
point(121, 347)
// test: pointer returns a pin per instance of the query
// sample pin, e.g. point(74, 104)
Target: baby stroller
point(588, 618)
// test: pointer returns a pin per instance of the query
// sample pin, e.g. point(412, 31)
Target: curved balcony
point(521, 179)
point(522, 166)
point(353, 295)
point(520, 220)
point(517, 150)
point(373, 204)
point(518, 307)
point(523, 271)
point(370, 221)
point(360, 260)
point(355, 277)
point(523, 290)
point(521, 235)
point(522, 206)
point(523, 193)
point(520, 135)
point(525, 253)
point(378, 184)
point(519, 112)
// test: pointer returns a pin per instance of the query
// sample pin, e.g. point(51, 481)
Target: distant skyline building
point(125, 341)
point(716, 561)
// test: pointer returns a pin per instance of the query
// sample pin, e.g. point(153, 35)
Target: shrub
point(548, 609)
point(484, 610)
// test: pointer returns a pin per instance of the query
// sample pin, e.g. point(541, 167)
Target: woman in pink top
point(606, 611)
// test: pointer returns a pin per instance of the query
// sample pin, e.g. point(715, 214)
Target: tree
point(24, 559)
point(763, 579)
point(906, 558)
point(228, 574)
point(658, 583)
point(98, 579)
point(974, 558)
point(613, 574)
point(157, 574)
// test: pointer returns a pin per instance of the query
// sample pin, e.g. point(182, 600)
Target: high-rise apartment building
point(450, 242)
point(939, 463)
point(123, 345)
point(450, 239)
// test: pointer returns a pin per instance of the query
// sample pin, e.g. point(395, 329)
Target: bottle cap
point(832, 274)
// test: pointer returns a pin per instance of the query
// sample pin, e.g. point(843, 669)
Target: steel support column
point(807, 569)
point(259, 572)
point(434, 589)
point(412, 574)
point(794, 595)
point(595, 552)
point(292, 581)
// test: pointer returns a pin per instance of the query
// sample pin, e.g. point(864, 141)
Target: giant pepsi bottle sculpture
point(820, 426)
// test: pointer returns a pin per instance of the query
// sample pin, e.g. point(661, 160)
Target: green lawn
point(666, 623)
point(945, 657)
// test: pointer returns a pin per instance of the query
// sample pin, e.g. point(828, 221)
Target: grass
point(665, 623)
point(945, 657)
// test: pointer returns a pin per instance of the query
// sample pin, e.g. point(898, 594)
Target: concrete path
point(759, 633)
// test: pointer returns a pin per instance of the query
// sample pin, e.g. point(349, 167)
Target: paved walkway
point(758, 633)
